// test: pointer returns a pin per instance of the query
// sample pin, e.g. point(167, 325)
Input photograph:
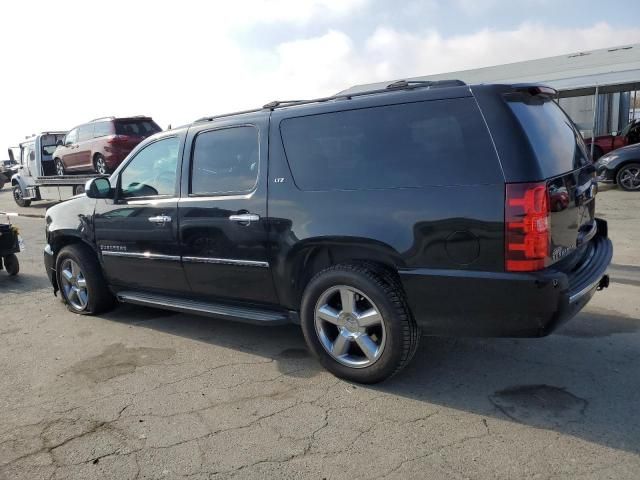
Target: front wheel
point(356, 321)
point(82, 285)
point(628, 177)
point(18, 197)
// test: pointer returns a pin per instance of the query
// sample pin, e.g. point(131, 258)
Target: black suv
point(366, 218)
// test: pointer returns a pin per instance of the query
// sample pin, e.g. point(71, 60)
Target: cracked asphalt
point(141, 393)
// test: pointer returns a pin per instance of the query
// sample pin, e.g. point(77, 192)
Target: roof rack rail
point(399, 85)
point(102, 118)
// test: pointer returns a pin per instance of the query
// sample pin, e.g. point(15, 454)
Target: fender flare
point(18, 181)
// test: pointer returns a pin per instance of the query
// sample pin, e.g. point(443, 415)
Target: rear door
point(223, 212)
point(137, 234)
point(562, 161)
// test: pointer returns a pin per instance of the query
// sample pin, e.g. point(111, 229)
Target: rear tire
point(19, 198)
point(82, 285)
point(11, 264)
point(100, 165)
point(372, 351)
point(1, 184)
point(628, 177)
point(60, 170)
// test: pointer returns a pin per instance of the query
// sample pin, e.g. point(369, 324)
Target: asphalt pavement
point(143, 393)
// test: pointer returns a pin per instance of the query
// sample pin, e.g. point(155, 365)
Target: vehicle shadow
point(22, 283)
point(582, 381)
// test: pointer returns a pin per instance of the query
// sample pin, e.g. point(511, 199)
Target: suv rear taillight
point(117, 139)
point(527, 227)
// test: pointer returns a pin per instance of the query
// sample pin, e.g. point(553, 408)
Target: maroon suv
point(102, 144)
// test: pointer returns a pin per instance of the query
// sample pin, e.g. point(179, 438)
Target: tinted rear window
point(136, 128)
point(558, 146)
point(441, 142)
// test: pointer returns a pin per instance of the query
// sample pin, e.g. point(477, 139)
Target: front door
point(83, 153)
point(137, 234)
point(223, 217)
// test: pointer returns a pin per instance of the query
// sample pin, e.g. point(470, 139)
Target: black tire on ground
point(1, 184)
point(628, 177)
point(401, 331)
point(60, 170)
point(11, 264)
point(100, 165)
point(100, 298)
point(19, 198)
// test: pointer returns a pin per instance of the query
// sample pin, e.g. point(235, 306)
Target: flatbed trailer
point(36, 179)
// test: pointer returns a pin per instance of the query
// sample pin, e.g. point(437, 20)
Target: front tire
point(357, 323)
point(82, 284)
point(18, 197)
point(628, 177)
point(11, 264)
point(59, 167)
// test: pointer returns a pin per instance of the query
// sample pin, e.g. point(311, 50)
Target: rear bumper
point(497, 304)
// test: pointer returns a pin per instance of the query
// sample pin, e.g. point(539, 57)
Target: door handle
point(245, 218)
point(160, 219)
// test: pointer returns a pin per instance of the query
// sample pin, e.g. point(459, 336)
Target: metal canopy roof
point(613, 69)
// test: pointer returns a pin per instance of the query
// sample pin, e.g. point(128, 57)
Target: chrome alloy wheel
point(630, 178)
point(74, 285)
point(101, 166)
point(350, 326)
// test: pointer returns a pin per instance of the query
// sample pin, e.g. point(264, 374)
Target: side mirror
point(98, 188)
point(615, 134)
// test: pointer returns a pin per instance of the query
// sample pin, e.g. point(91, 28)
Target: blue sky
point(177, 61)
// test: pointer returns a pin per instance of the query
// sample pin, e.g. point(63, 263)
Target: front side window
point(153, 171)
point(225, 161)
point(72, 137)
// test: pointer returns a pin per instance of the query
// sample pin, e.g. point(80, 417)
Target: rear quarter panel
point(458, 227)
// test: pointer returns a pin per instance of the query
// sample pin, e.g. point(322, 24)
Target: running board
point(254, 316)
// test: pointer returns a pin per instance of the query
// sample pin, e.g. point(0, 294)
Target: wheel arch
point(314, 255)
point(621, 165)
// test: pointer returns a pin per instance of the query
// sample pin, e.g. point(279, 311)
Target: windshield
point(625, 130)
point(558, 147)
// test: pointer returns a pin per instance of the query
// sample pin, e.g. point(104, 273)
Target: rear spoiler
point(535, 89)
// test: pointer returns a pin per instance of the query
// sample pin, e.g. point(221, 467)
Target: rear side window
point(102, 129)
point(136, 128)
point(440, 142)
point(225, 161)
point(558, 146)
